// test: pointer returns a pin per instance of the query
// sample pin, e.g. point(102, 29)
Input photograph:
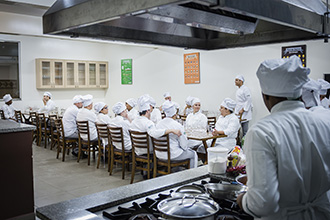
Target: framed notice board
point(126, 71)
point(191, 68)
point(299, 50)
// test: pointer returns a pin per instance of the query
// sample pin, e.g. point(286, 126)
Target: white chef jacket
point(119, 121)
point(50, 106)
point(177, 144)
point(88, 115)
point(196, 121)
point(143, 124)
point(287, 161)
point(230, 125)
point(9, 111)
point(69, 120)
point(325, 103)
point(132, 114)
point(155, 116)
point(103, 119)
point(244, 100)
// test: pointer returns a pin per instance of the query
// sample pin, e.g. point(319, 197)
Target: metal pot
point(189, 190)
point(224, 191)
point(188, 207)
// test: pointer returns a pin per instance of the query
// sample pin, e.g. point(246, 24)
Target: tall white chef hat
point(7, 98)
point(167, 94)
point(77, 99)
point(132, 102)
point(87, 100)
point(282, 77)
point(143, 103)
point(189, 100)
point(152, 101)
point(118, 108)
point(169, 108)
point(240, 77)
point(311, 93)
point(195, 100)
point(99, 106)
point(325, 86)
point(48, 94)
point(229, 104)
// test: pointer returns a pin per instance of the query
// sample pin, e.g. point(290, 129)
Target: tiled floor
point(56, 181)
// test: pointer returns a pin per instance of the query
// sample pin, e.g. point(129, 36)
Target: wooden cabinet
point(71, 74)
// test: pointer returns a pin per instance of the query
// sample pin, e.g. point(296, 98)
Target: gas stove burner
point(143, 217)
point(227, 217)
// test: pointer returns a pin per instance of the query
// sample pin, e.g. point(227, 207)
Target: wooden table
point(204, 137)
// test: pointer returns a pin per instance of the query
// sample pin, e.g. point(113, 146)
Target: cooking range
point(147, 207)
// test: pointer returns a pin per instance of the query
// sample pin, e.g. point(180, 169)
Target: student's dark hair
point(143, 113)
point(230, 111)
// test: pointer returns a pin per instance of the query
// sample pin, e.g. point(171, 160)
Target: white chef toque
point(282, 77)
point(132, 102)
point(99, 106)
point(195, 100)
point(169, 108)
point(87, 100)
point(7, 98)
point(325, 86)
point(189, 100)
point(48, 94)
point(118, 108)
point(167, 94)
point(77, 99)
point(143, 103)
point(311, 93)
point(229, 104)
point(240, 77)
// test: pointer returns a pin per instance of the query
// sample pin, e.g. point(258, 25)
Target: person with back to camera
point(287, 152)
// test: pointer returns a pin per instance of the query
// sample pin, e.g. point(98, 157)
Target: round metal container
point(224, 191)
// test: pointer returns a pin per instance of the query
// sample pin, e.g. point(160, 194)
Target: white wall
point(156, 70)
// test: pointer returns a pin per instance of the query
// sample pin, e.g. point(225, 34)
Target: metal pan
point(224, 191)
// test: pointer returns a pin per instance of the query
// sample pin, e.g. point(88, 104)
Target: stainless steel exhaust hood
point(198, 24)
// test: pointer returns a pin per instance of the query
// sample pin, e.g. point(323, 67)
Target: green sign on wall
point(126, 71)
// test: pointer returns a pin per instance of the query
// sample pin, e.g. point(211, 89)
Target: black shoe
point(75, 154)
point(84, 155)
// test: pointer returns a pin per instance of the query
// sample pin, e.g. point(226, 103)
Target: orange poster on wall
point(191, 68)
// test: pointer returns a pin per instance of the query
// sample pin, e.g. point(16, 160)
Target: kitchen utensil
point(224, 191)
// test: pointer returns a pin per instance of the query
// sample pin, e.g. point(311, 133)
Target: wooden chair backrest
point(2, 114)
point(139, 140)
point(42, 120)
point(18, 116)
point(34, 119)
point(83, 128)
point(116, 135)
point(211, 121)
point(162, 144)
point(102, 132)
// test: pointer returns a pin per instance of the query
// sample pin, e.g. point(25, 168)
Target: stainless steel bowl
point(224, 191)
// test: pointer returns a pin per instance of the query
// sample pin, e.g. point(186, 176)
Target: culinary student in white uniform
point(8, 108)
point(178, 145)
point(155, 115)
point(87, 114)
point(188, 107)
point(287, 152)
point(143, 123)
point(227, 124)
point(70, 116)
point(102, 111)
point(196, 121)
point(121, 120)
point(132, 112)
point(167, 96)
point(244, 105)
point(325, 102)
point(49, 104)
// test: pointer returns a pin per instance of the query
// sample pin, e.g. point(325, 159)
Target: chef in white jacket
point(287, 152)
point(70, 116)
point(178, 144)
point(244, 105)
point(196, 122)
point(143, 124)
point(102, 113)
point(227, 124)
point(49, 104)
point(167, 96)
point(156, 115)
point(87, 114)
point(132, 112)
point(121, 120)
point(325, 102)
point(8, 108)
point(188, 107)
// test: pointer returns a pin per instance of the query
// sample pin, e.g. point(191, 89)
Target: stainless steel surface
point(224, 191)
point(199, 24)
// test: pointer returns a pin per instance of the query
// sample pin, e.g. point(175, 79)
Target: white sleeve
point(247, 96)
point(153, 131)
point(233, 126)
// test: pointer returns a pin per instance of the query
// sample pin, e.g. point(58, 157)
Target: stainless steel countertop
point(9, 126)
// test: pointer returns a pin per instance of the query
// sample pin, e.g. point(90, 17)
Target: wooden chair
point(53, 132)
point(2, 114)
point(90, 146)
point(120, 156)
point(35, 122)
point(18, 116)
point(44, 130)
point(162, 144)
point(140, 140)
point(211, 121)
point(64, 144)
point(103, 136)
